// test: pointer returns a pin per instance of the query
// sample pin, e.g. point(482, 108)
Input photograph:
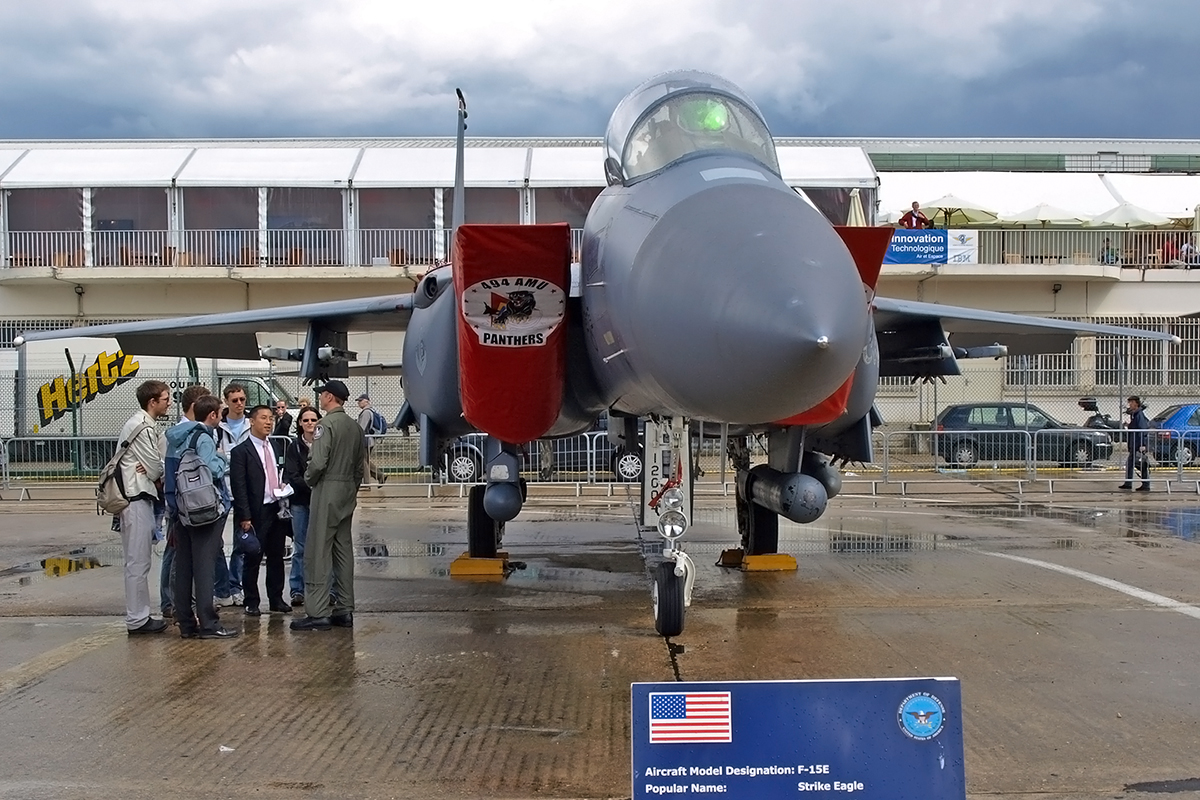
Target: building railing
point(1087, 246)
point(396, 247)
point(426, 246)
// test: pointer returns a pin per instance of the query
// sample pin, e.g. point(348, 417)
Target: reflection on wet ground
point(77, 560)
point(520, 689)
point(1140, 524)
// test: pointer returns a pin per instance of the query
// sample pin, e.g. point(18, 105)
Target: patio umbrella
point(1127, 215)
point(1045, 214)
point(954, 211)
point(856, 217)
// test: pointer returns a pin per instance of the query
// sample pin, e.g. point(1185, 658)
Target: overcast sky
point(238, 68)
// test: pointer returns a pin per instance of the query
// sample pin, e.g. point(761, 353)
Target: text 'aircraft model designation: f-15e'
point(708, 294)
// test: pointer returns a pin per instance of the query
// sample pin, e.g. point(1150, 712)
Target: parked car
point(975, 432)
point(1178, 436)
point(548, 457)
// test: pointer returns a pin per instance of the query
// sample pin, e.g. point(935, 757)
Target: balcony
point(408, 250)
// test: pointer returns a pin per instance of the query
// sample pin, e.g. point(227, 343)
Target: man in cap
point(335, 472)
point(366, 421)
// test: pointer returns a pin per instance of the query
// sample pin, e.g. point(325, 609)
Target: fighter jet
point(708, 294)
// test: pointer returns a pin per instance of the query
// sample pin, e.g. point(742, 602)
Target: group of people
point(304, 486)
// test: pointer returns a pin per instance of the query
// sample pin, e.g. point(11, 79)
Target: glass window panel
point(210, 208)
point(988, 415)
point(396, 226)
point(45, 210)
point(488, 206)
point(304, 208)
point(834, 204)
point(1028, 418)
point(129, 209)
point(569, 205)
point(395, 208)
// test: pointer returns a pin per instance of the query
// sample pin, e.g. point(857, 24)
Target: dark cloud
point(1060, 68)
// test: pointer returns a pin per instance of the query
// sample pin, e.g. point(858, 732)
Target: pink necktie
point(272, 477)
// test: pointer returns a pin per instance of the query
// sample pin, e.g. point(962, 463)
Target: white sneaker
point(222, 602)
point(239, 599)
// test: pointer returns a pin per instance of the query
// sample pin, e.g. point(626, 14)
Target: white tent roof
point(269, 166)
point(7, 159)
point(847, 167)
point(1004, 192)
point(434, 166)
point(1174, 196)
point(151, 166)
point(567, 166)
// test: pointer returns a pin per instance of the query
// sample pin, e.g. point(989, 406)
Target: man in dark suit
point(254, 478)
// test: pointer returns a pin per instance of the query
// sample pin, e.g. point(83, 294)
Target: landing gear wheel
point(483, 532)
point(667, 596)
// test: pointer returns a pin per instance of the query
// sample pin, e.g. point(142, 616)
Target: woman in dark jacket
point(295, 459)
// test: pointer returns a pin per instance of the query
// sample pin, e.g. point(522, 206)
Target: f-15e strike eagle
point(708, 293)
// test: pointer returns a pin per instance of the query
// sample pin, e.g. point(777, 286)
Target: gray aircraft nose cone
point(746, 305)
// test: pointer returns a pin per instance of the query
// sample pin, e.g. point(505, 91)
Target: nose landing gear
point(667, 504)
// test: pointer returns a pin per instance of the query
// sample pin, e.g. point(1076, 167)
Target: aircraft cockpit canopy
point(679, 114)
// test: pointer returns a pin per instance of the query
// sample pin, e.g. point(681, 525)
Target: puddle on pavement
point(1143, 526)
point(71, 563)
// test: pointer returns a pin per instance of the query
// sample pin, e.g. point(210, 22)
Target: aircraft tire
point(764, 536)
point(482, 536)
point(667, 598)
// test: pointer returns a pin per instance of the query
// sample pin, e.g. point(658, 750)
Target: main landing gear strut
point(489, 507)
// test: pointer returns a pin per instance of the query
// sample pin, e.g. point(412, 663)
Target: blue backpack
point(378, 424)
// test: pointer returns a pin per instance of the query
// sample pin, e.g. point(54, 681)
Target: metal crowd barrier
point(973, 456)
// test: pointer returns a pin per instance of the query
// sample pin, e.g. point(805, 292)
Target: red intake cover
point(867, 247)
point(825, 411)
point(511, 282)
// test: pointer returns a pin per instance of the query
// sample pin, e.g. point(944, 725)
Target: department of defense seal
point(921, 716)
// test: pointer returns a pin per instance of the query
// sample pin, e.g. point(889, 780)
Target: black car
point(579, 455)
point(973, 432)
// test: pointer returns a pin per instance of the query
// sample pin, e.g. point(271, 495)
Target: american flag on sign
point(689, 717)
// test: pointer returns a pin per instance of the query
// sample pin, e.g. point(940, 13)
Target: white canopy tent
point(108, 167)
point(1006, 193)
point(1174, 196)
point(833, 167)
point(328, 167)
point(1042, 214)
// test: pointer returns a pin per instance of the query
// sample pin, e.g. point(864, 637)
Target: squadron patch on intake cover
point(513, 312)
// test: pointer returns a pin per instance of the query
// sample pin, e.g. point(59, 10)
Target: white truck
point(69, 398)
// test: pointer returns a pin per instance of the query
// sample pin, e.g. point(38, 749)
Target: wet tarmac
point(1074, 627)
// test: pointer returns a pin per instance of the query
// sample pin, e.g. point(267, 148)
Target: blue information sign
point(885, 739)
point(918, 247)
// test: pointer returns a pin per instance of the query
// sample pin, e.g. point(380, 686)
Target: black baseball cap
point(337, 389)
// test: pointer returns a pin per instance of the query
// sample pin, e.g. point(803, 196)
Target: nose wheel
point(672, 593)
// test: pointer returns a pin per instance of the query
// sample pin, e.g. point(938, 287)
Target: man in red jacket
point(915, 219)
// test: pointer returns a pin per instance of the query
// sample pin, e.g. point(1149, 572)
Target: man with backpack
point(140, 469)
point(198, 505)
point(373, 424)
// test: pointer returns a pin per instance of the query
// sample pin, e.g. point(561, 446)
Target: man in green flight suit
point(335, 471)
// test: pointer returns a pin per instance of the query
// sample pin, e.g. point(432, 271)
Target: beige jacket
point(145, 450)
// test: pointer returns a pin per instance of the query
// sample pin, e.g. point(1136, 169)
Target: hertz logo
point(57, 397)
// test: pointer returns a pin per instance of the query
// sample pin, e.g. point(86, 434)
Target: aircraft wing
point(234, 334)
point(923, 339)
